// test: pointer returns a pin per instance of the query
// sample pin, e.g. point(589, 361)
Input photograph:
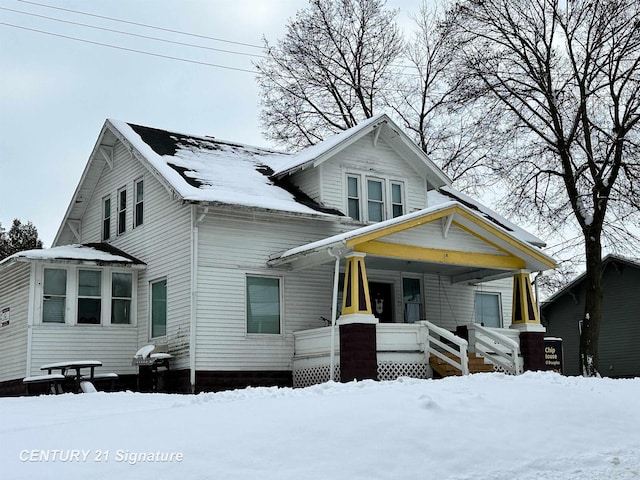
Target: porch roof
point(90, 253)
point(449, 238)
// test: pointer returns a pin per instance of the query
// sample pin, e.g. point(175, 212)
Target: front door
point(381, 295)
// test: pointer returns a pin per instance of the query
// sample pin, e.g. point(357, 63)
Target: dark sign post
point(553, 357)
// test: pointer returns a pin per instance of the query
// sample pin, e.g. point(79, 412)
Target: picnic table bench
point(53, 381)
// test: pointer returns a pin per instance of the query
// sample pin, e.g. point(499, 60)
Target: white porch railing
point(497, 348)
point(433, 336)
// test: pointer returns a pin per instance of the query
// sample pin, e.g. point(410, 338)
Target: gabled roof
point(93, 253)
point(606, 261)
point(196, 169)
point(384, 128)
point(512, 251)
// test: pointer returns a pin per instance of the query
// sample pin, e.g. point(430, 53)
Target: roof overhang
point(449, 239)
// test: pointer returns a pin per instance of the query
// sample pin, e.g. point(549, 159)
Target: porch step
point(442, 368)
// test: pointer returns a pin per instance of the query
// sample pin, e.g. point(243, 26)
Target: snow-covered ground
point(486, 426)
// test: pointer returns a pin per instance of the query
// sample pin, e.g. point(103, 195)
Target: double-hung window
point(353, 197)
point(412, 299)
point(488, 309)
point(106, 218)
point(263, 304)
point(397, 199)
point(89, 296)
point(138, 213)
point(375, 200)
point(54, 299)
point(122, 211)
point(159, 308)
point(121, 293)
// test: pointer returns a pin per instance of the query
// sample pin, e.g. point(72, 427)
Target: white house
point(227, 254)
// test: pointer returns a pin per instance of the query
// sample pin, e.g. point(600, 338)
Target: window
point(89, 296)
point(263, 305)
point(353, 197)
point(397, 202)
point(106, 218)
point(54, 300)
point(122, 211)
point(121, 292)
point(375, 200)
point(488, 311)
point(412, 298)
point(159, 308)
point(138, 212)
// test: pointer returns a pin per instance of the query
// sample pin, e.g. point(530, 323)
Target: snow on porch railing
point(498, 349)
point(433, 336)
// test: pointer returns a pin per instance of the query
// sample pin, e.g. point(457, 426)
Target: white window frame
point(166, 319)
point(422, 299)
point(494, 294)
point(387, 184)
point(382, 202)
point(71, 308)
point(280, 299)
point(138, 222)
point(358, 198)
point(402, 203)
point(122, 211)
point(65, 296)
point(106, 229)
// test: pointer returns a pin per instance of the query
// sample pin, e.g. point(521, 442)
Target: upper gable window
point(106, 218)
point(122, 211)
point(353, 197)
point(138, 213)
point(383, 198)
point(397, 199)
point(375, 200)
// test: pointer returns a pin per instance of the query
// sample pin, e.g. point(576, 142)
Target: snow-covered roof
point(387, 129)
point(204, 169)
point(96, 253)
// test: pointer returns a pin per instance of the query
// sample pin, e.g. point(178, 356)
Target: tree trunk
point(593, 305)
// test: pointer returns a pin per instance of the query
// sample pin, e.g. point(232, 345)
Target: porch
point(409, 350)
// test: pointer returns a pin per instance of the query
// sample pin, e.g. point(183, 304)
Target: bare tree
point(561, 78)
point(328, 72)
point(423, 99)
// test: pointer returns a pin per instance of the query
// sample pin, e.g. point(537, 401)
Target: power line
point(142, 24)
point(131, 34)
point(129, 49)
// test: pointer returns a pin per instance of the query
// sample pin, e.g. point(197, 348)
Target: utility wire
point(129, 49)
point(142, 24)
point(131, 34)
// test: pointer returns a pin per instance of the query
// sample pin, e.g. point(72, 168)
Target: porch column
point(525, 318)
point(358, 357)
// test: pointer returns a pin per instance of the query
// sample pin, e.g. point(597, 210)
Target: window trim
point(500, 312)
point(71, 303)
point(166, 289)
point(387, 182)
point(112, 297)
point(382, 202)
point(122, 211)
point(358, 198)
point(106, 219)
point(281, 306)
point(138, 218)
point(93, 297)
point(402, 198)
point(65, 296)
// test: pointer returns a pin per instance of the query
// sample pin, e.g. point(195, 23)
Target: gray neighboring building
point(619, 354)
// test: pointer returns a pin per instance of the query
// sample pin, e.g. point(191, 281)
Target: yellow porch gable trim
point(355, 298)
point(401, 227)
point(524, 309)
point(504, 237)
point(438, 255)
point(484, 225)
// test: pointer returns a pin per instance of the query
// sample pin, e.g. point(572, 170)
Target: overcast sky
point(55, 93)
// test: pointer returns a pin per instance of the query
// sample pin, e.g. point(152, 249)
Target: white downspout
point(194, 293)
point(334, 313)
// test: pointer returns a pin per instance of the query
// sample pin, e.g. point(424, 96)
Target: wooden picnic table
point(75, 366)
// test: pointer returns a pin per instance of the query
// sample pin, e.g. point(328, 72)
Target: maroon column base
point(358, 356)
point(532, 348)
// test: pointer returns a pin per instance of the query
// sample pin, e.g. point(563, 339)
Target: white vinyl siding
point(14, 296)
